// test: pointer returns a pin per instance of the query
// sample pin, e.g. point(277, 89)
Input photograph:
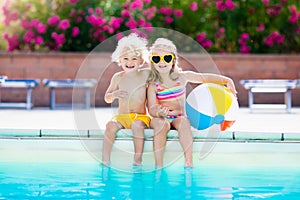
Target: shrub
point(224, 26)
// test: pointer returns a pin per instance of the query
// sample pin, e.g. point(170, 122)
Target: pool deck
point(257, 138)
point(257, 121)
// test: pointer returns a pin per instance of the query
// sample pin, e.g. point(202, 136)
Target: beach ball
point(209, 104)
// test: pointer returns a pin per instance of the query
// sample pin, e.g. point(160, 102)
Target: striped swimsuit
point(168, 94)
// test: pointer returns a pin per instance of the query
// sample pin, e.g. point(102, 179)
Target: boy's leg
point(161, 128)
point(109, 137)
point(138, 128)
point(183, 126)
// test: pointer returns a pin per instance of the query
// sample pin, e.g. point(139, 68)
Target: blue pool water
point(42, 180)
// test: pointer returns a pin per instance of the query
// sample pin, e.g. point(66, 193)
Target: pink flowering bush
point(222, 26)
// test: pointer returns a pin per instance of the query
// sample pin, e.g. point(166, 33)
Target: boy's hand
point(120, 94)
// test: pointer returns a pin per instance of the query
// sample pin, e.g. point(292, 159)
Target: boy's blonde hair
point(165, 45)
point(132, 43)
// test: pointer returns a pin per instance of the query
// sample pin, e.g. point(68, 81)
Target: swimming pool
point(64, 168)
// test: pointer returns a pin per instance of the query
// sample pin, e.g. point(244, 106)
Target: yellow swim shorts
point(126, 120)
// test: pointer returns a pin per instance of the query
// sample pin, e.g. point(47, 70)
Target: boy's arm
point(113, 91)
point(210, 78)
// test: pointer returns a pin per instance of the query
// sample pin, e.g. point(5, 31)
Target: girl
point(166, 98)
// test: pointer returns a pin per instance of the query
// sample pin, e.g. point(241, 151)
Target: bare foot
point(105, 163)
point(137, 163)
point(137, 160)
point(188, 164)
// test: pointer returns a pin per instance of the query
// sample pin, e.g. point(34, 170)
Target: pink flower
point(25, 24)
point(243, 42)
point(75, 31)
point(193, 6)
point(293, 19)
point(274, 38)
point(266, 2)
point(206, 44)
point(116, 22)
point(53, 21)
point(141, 22)
point(150, 12)
point(38, 40)
point(245, 49)
point(78, 19)
point(220, 6)
point(178, 13)
point(245, 36)
point(98, 11)
point(91, 11)
point(131, 23)
point(13, 42)
point(95, 21)
point(201, 37)
point(9, 15)
point(294, 15)
point(137, 4)
point(168, 20)
point(220, 33)
point(293, 10)
point(125, 13)
point(73, 13)
point(41, 28)
point(28, 36)
point(34, 22)
point(228, 4)
point(109, 29)
point(166, 11)
point(148, 27)
point(260, 27)
point(64, 24)
point(59, 38)
point(275, 10)
point(147, 1)
point(73, 1)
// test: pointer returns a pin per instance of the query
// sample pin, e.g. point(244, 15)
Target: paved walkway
point(270, 121)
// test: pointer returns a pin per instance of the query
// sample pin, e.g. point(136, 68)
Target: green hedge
point(223, 26)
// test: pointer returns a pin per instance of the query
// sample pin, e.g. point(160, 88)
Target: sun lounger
point(85, 84)
point(27, 84)
point(2, 79)
point(270, 86)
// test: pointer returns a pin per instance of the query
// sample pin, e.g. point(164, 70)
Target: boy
point(129, 88)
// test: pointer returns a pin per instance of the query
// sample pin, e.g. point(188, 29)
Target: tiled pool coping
point(125, 134)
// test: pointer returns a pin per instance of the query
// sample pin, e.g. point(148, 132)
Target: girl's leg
point(161, 128)
point(183, 126)
point(138, 128)
point(109, 137)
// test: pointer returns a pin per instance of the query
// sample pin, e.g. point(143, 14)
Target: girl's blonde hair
point(132, 43)
point(165, 45)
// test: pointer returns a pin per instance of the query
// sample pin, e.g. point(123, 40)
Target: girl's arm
point(210, 78)
point(154, 109)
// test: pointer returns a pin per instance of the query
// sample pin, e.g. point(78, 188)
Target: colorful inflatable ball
point(209, 104)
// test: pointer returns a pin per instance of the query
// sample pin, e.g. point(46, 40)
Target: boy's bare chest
point(132, 83)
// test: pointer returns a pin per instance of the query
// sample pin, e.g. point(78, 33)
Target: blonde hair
point(132, 43)
point(166, 45)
